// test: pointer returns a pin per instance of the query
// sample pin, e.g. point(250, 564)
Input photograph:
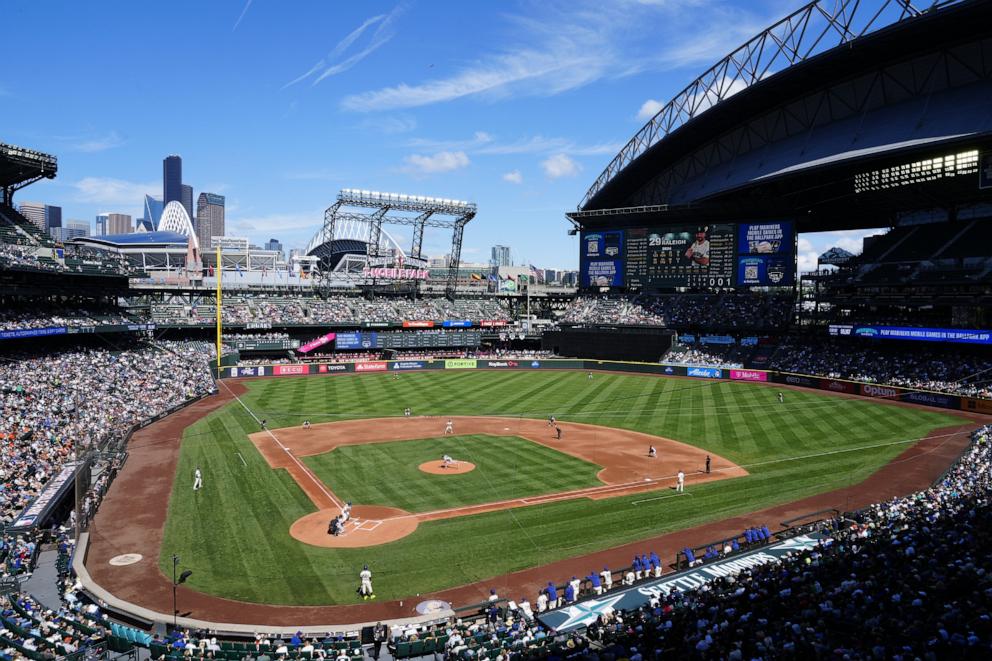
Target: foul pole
point(218, 305)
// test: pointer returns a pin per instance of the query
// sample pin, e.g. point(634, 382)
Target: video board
point(754, 254)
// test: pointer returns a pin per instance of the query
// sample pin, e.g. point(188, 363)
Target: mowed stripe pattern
point(234, 533)
point(506, 467)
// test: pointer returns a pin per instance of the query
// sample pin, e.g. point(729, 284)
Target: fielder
point(366, 587)
point(558, 432)
point(680, 482)
point(406, 412)
point(781, 398)
point(449, 428)
point(197, 479)
point(652, 452)
point(447, 461)
point(306, 424)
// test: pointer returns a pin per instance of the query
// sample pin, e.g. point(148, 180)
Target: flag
point(476, 276)
point(536, 275)
point(238, 267)
point(210, 269)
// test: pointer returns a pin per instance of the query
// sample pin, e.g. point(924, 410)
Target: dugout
point(609, 342)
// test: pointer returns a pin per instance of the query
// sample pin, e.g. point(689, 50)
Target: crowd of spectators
point(727, 311)
point(713, 355)
point(604, 310)
point(56, 403)
point(39, 314)
point(925, 368)
point(75, 259)
point(334, 310)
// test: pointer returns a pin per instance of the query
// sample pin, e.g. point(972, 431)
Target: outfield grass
point(234, 533)
point(506, 467)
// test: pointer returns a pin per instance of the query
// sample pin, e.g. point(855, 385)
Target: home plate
point(506, 429)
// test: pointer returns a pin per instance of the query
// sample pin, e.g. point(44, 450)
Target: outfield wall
point(842, 386)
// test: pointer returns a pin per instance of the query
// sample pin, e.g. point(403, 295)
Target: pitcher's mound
point(437, 467)
point(370, 526)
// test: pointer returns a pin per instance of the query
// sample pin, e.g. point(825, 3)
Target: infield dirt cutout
point(623, 455)
point(439, 467)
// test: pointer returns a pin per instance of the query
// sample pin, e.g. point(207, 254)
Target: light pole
point(176, 581)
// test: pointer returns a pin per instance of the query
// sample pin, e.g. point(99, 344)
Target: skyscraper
point(186, 196)
point(119, 223)
point(500, 256)
point(209, 217)
point(53, 216)
point(35, 212)
point(272, 244)
point(153, 210)
point(74, 228)
point(101, 224)
point(172, 179)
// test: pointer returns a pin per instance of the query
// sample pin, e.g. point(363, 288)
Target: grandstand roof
point(19, 165)
point(137, 239)
point(911, 86)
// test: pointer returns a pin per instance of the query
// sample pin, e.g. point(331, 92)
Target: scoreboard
point(407, 339)
point(690, 256)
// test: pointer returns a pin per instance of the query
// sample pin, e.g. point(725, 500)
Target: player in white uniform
point(698, 253)
point(781, 398)
point(366, 588)
point(607, 578)
point(306, 424)
point(197, 479)
point(447, 461)
point(680, 482)
point(652, 452)
point(346, 512)
point(449, 428)
point(406, 412)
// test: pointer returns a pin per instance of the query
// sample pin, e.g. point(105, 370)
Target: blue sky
point(516, 106)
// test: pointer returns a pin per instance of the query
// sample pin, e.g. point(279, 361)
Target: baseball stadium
point(694, 449)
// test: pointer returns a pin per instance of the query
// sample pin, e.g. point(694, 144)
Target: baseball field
point(530, 498)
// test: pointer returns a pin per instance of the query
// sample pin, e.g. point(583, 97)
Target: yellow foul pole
point(219, 270)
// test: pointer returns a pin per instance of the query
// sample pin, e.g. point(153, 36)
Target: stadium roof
point(157, 238)
point(839, 84)
point(20, 166)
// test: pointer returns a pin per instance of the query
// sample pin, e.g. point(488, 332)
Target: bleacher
point(25, 227)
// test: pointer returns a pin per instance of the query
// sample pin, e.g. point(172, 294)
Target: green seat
point(402, 650)
point(417, 648)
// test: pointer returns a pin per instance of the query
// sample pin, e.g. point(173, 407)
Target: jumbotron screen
point(757, 254)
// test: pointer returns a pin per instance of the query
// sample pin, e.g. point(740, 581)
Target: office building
point(172, 179)
point(209, 217)
point(53, 216)
point(500, 256)
point(101, 224)
point(153, 210)
point(35, 212)
point(186, 198)
point(75, 228)
point(272, 244)
point(119, 223)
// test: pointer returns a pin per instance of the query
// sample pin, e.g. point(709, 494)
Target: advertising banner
point(32, 332)
point(584, 613)
point(976, 405)
point(838, 386)
point(716, 339)
point(799, 380)
point(932, 399)
point(512, 364)
point(356, 340)
point(765, 271)
point(255, 370)
point(687, 339)
point(460, 364)
point(407, 365)
point(704, 372)
point(334, 368)
point(418, 324)
point(290, 370)
point(748, 375)
point(873, 390)
point(317, 342)
point(372, 366)
point(493, 323)
point(601, 261)
point(378, 324)
point(457, 323)
point(952, 335)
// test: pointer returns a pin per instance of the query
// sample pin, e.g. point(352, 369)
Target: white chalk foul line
point(242, 459)
point(671, 495)
point(313, 478)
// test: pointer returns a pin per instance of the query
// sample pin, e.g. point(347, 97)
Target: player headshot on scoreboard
point(698, 253)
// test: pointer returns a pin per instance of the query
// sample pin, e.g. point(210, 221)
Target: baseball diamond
point(257, 516)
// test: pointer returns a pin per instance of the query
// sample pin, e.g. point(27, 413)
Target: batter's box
point(368, 525)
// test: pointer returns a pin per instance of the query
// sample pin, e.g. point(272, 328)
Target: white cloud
point(442, 161)
point(107, 191)
point(108, 141)
point(485, 143)
point(649, 109)
point(806, 261)
point(513, 177)
point(564, 46)
point(389, 125)
point(332, 65)
point(560, 165)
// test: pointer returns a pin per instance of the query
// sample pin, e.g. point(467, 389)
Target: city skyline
point(519, 118)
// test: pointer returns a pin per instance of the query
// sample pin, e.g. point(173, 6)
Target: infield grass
point(506, 467)
point(234, 534)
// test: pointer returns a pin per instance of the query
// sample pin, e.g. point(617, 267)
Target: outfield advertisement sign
point(952, 335)
point(334, 368)
point(748, 375)
point(33, 332)
point(418, 324)
point(400, 365)
point(317, 342)
point(255, 370)
point(290, 370)
point(704, 372)
point(834, 385)
point(371, 366)
point(932, 399)
point(976, 405)
point(799, 380)
point(457, 323)
point(460, 364)
point(583, 613)
point(872, 390)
